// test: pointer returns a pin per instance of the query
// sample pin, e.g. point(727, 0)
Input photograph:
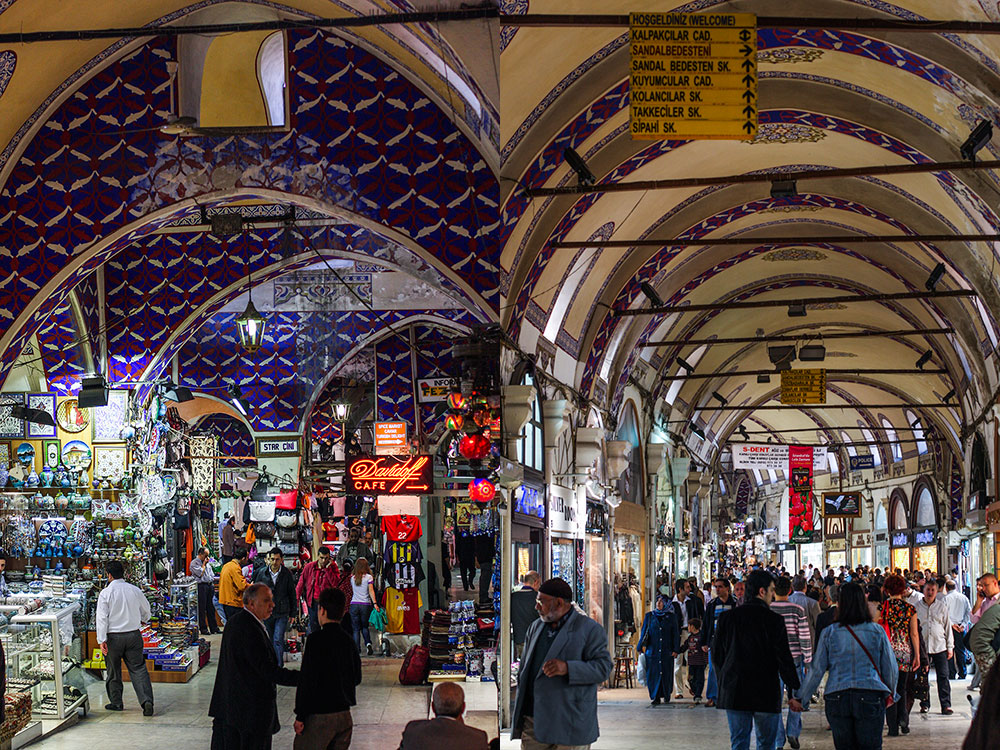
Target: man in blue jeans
point(751, 658)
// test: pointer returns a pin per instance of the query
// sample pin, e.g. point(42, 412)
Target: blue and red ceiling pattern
point(363, 140)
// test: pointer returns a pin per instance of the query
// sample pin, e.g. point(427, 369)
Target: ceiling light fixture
point(683, 363)
point(251, 324)
point(718, 397)
point(238, 400)
point(812, 353)
point(579, 166)
point(763, 379)
point(341, 410)
point(697, 430)
point(743, 433)
point(34, 416)
point(781, 354)
point(783, 189)
point(924, 359)
point(93, 392)
point(651, 294)
point(949, 396)
point(935, 277)
point(797, 310)
point(978, 138)
point(173, 392)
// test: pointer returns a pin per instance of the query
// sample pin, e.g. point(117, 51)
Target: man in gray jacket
point(565, 659)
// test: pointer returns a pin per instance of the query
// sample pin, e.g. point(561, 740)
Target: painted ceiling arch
point(370, 146)
point(436, 57)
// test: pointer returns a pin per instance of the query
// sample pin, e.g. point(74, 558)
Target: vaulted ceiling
point(827, 99)
point(389, 161)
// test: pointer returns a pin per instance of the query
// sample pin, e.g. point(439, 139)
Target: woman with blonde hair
point(362, 602)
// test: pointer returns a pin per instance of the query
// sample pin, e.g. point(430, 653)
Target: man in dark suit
point(446, 730)
point(244, 702)
point(750, 652)
point(522, 609)
point(279, 579)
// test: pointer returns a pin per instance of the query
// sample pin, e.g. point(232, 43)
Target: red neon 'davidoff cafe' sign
point(389, 475)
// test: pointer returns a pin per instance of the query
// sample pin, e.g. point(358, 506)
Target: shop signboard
point(924, 537)
point(432, 390)
point(863, 461)
point(390, 439)
point(390, 475)
point(529, 501)
point(399, 505)
point(836, 545)
point(693, 76)
point(803, 387)
point(881, 537)
point(565, 513)
point(767, 456)
point(280, 447)
point(899, 539)
point(993, 517)
point(861, 539)
point(800, 494)
point(842, 504)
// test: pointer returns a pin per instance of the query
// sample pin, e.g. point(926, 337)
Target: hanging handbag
point(265, 529)
point(259, 491)
point(288, 535)
point(890, 698)
point(288, 500)
point(261, 511)
point(286, 519)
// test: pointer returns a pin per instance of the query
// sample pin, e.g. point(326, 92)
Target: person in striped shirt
point(801, 645)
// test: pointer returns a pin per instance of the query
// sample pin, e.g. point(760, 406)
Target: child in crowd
point(697, 658)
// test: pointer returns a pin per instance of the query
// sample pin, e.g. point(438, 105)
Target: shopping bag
point(640, 669)
point(377, 619)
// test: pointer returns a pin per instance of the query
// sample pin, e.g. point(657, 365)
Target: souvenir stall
point(80, 487)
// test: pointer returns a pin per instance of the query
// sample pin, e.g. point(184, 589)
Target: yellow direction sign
point(693, 75)
point(803, 387)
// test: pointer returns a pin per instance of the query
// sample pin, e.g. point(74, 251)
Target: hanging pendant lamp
point(251, 324)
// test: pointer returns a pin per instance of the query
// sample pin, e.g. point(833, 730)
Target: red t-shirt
point(411, 611)
point(401, 528)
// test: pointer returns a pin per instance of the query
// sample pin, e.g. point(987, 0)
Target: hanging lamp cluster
point(250, 324)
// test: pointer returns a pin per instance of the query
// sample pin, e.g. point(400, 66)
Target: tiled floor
point(628, 722)
point(182, 721)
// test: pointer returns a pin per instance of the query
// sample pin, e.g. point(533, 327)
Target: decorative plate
point(71, 417)
point(76, 454)
point(26, 454)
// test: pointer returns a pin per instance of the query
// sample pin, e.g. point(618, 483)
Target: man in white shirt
point(121, 609)
point(932, 612)
point(959, 611)
point(682, 587)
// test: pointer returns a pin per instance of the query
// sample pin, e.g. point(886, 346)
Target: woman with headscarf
point(660, 641)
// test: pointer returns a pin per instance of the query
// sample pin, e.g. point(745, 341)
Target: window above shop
point(531, 442)
point(918, 431)
point(890, 435)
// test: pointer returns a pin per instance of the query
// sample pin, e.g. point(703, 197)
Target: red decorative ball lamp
point(482, 490)
point(474, 447)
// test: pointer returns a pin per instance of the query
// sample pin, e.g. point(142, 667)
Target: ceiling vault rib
point(841, 239)
point(797, 337)
point(840, 299)
point(709, 375)
point(762, 177)
point(607, 20)
point(812, 407)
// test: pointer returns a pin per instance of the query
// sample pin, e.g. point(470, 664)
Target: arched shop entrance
point(925, 527)
point(899, 531)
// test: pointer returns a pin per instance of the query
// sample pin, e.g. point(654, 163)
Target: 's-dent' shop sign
point(771, 457)
point(693, 75)
point(388, 475)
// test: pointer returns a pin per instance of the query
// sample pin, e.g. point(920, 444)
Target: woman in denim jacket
point(858, 684)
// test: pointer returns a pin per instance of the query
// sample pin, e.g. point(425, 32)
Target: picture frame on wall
point(51, 453)
point(45, 402)
point(109, 419)
point(110, 463)
point(10, 427)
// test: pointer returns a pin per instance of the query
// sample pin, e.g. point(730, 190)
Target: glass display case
point(37, 647)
